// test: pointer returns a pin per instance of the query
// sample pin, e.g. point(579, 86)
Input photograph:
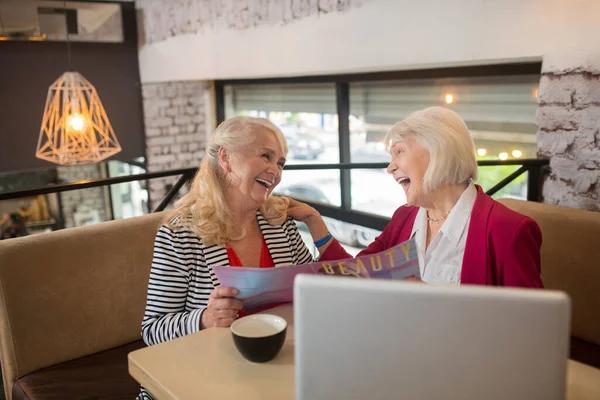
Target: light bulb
point(76, 122)
point(449, 98)
point(517, 153)
point(481, 152)
point(503, 156)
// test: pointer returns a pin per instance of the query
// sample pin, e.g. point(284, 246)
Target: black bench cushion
point(102, 375)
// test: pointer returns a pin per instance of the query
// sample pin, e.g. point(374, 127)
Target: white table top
point(208, 363)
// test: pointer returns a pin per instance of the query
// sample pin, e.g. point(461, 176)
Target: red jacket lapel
point(476, 268)
point(408, 223)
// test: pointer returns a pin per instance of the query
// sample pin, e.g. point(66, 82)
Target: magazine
point(261, 288)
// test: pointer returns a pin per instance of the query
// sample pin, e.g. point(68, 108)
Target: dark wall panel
point(28, 68)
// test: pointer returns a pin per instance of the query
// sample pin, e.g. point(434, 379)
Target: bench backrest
point(570, 259)
point(73, 292)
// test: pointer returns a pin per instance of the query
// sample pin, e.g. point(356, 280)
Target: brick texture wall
point(569, 100)
point(569, 135)
point(85, 199)
point(180, 17)
point(178, 118)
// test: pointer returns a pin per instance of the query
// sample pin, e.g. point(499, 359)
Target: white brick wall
point(162, 19)
point(569, 97)
point(78, 200)
point(178, 119)
point(568, 120)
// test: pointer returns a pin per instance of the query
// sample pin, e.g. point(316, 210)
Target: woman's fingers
point(224, 313)
point(224, 291)
point(222, 304)
point(219, 318)
point(223, 323)
point(222, 308)
point(225, 303)
point(293, 202)
point(300, 211)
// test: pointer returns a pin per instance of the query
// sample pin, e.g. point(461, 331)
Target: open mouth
point(404, 182)
point(265, 183)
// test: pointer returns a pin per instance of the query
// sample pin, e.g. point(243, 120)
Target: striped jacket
point(181, 278)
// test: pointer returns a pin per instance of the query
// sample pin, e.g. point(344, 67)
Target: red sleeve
point(522, 265)
point(335, 251)
point(378, 245)
point(394, 233)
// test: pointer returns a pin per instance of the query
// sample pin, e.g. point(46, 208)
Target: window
point(83, 21)
point(499, 111)
point(306, 114)
point(498, 104)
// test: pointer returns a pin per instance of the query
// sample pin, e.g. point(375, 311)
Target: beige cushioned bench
point(75, 294)
point(571, 262)
point(70, 294)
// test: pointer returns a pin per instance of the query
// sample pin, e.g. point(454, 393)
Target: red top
point(502, 249)
point(266, 261)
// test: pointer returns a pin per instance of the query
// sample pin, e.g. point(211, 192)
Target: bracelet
point(323, 240)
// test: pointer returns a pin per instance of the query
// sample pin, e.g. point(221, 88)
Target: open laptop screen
point(374, 339)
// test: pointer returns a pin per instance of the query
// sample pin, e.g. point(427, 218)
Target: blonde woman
point(228, 218)
point(463, 236)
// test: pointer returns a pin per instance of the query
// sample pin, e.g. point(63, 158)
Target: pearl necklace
point(437, 221)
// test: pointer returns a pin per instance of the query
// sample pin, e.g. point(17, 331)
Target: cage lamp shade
point(75, 128)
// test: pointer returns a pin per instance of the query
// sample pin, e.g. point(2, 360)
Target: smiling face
point(409, 164)
point(255, 171)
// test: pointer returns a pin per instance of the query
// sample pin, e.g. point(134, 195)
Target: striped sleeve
point(166, 317)
point(301, 253)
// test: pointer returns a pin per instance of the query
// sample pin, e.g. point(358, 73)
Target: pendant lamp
point(75, 128)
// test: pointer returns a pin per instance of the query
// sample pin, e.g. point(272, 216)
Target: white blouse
point(442, 261)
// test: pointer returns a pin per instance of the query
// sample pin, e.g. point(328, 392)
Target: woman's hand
point(222, 308)
point(300, 211)
point(313, 220)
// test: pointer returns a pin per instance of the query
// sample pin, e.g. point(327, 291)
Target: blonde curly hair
point(204, 209)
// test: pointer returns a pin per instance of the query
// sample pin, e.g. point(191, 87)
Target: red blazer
point(502, 249)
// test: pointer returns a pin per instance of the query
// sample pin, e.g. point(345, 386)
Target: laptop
point(374, 339)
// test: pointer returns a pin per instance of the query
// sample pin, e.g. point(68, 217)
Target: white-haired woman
point(228, 218)
point(463, 236)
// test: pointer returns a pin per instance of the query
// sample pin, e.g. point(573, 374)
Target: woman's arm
point(332, 249)
point(165, 317)
point(312, 218)
point(301, 253)
point(522, 264)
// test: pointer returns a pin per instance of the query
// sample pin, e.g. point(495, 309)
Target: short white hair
point(445, 135)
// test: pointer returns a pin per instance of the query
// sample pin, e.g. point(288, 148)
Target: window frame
point(342, 90)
